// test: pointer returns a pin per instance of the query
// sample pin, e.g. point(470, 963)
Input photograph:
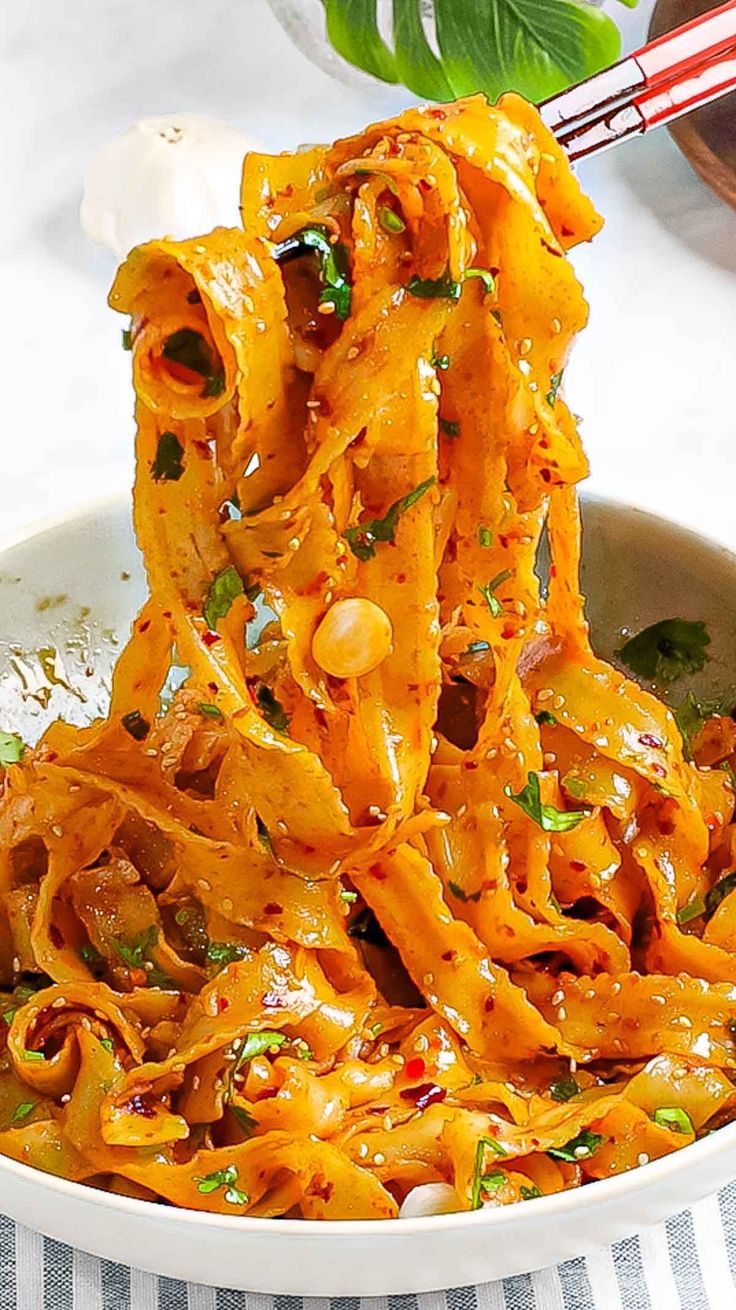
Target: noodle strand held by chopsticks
point(375, 875)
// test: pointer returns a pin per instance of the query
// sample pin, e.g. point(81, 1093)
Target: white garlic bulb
point(430, 1198)
point(177, 176)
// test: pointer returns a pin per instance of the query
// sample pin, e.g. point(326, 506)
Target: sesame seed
point(379, 1158)
point(642, 1158)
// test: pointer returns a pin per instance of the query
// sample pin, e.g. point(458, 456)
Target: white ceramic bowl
point(72, 588)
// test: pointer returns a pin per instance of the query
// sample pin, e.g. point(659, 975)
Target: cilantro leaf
point(257, 1044)
point(544, 716)
point(667, 650)
point(488, 589)
point(434, 288)
point(188, 349)
point(555, 383)
point(578, 1148)
point(226, 1178)
point(691, 715)
point(529, 1193)
point(332, 262)
point(224, 953)
point(440, 362)
point(12, 749)
point(136, 954)
point(167, 466)
point(548, 817)
point(224, 589)
point(22, 1111)
point(362, 537)
point(564, 1088)
point(246, 1123)
point(460, 894)
point(674, 1118)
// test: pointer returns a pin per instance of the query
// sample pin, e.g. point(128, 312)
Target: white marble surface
point(650, 376)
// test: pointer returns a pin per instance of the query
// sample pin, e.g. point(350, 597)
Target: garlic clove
point(175, 176)
point(428, 1199)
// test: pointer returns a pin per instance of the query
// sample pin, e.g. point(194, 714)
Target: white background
point(653, 376)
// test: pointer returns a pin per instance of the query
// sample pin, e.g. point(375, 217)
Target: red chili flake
point(415, 1067)
point(210, 638)
point(440, 114)
point(272, 1001)
point(424, 186)
point(490, 1004)
point(567, 231)
point(647, 739)
point(424, 1095)
point(213, 687)
point(553, 570)
point(137, 1105)
point(167, 614)
point(659, 769)
point(471, 764)
point(223, 1004)
point(579, 866)
point(545, 475)
point(448, 955)
point(273, 907)
point(321, 1188)
point(503, 540)
point(144, 625)
point(508, 632)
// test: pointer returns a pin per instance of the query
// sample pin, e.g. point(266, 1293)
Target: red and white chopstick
point(671, 76)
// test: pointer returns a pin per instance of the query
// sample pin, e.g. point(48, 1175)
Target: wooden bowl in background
point(708, 136)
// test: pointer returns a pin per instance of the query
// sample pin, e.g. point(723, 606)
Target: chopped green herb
point(223, 953)
point(667, 650)
point(479, 1178)
point(691, 910)
point(674, 1118)
point(690, 716)
point(548, 817)
point(428, 288)
point(488, 280)
point(362, 537)
point(375, 1029)
point(485, 536)
point(90, 954)
point(302, 1049)
point(578, 1148)
point(529, 1193)
point(271, 708)
point(390, 221)
point(12, 749)
point(457, 891)
point(246, 1123)
point(722, 889)
point(487, 592)
point(449, 427)
point(189, 349)
point(257, 1044)
point(440, 362)
point(135, 953)
point(333, 268)
point(347, 896)
point(544, 716)
point(108, 1044)
point(226, 1178)
point(224, 589)
point(22, 1111)
point(555, 383)
point(127, 339)
point(564, 1088)
point(167, 466)
point(33, 1055)
point(135, 724)
point(209, 711)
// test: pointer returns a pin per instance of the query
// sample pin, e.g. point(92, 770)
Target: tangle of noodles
point(390, 891)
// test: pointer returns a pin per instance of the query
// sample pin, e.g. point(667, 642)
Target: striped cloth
point(689, 1263)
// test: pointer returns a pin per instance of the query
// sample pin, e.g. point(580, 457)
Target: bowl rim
point(495, 1218)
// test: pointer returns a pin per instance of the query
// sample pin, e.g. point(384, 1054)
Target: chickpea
point(353, 638)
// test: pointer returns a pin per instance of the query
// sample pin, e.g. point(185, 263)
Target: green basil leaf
point(353, 30)
point(667, 650)
point(224, 589)
point(548, 817)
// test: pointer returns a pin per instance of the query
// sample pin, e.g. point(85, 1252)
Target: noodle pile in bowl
point(402, 884)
